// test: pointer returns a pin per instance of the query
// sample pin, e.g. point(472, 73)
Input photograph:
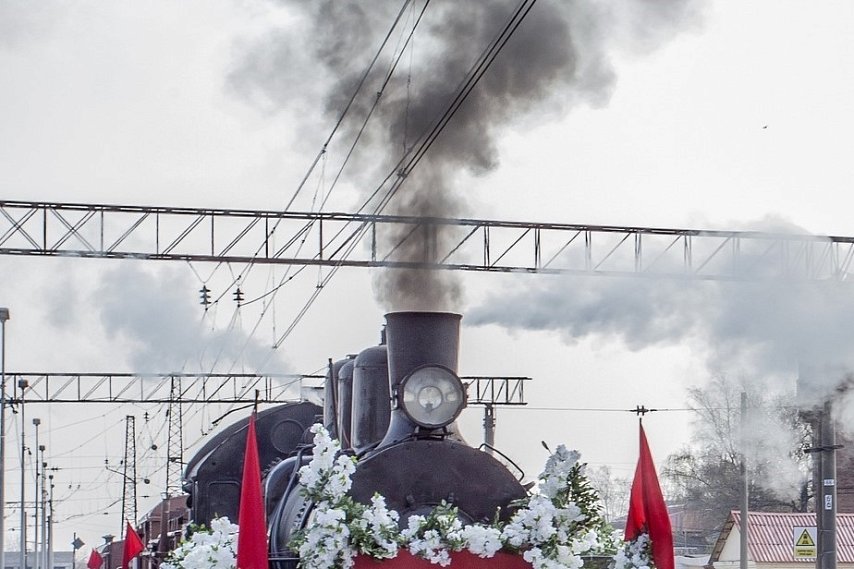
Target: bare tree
point(613, 492)
point(705, 475)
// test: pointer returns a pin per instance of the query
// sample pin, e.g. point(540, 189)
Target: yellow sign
point(804, 539)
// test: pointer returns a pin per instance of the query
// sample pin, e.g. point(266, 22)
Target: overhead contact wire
point(320, 154)
point(332, 133)
point(479, 69)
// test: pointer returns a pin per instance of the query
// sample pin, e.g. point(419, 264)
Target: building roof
point(770, 536)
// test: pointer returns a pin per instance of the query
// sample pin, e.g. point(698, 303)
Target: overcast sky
point(721, 115)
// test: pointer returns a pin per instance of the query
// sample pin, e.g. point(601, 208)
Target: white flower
point(482, 541)
point(328, 474)
point(207, 549)
point(635, 554)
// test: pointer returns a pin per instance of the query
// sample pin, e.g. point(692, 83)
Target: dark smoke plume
point(557, 58)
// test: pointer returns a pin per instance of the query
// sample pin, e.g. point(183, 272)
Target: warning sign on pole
point(804, 539)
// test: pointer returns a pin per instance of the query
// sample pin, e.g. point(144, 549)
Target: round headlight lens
point(432, 396)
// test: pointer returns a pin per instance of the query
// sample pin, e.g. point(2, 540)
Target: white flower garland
point(341, 528)
point(551, 529)
point(215, 548)
point(635, 554)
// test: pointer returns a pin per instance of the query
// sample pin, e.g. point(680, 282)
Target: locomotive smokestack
point(421, 338)
point(418, 340)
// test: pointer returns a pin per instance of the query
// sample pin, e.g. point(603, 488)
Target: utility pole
point(489, 427)
point(37, 501)
point(49, 563)
point(23, 384)
point(45, 514)
point(745, 502)
point(4, 316)
point(826, 494)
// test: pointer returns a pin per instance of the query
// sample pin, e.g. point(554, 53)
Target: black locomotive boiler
point(394, 406)
point(213, 476)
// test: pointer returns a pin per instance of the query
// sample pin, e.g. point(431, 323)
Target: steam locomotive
point(394, 406)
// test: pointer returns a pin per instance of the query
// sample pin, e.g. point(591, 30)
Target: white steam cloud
point(777, 332)
point(157, 314)
point(762, 328)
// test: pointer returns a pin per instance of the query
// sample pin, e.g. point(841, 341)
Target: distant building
point(771, 541)
point(177, 514)
point(692, 537)
point(691, 533)
point(61, 560)
point(112, 552)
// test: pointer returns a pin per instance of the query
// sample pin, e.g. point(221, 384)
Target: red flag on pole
point(95, 560)
point(647, 510)
point(252, 538)
point(132, 547)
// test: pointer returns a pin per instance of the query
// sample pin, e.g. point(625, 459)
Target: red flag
point(95, 560)
point(132, 547)
point(647, 510)
point(252, 538)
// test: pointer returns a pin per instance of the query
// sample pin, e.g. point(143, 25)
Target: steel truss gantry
point(213, 388)
point(156, 388)
point(357, 240)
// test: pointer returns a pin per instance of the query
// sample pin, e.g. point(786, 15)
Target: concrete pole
point(826, 506)
point(489, 427)
point(45, 513)
point(38, 499)
point(49, 563)
point(23, 384)
point(4, 316)
point(745, 496)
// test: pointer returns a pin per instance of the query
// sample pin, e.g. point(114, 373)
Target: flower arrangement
point(341, 528)
point(214, 548)
point(635, 554)
point(434, 536)
point(562, 522)
point(551, 529)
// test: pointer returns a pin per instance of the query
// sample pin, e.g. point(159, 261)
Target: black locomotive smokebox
point(421, 338)
point(417, 475)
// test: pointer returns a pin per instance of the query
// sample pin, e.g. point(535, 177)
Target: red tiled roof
point(770, 536)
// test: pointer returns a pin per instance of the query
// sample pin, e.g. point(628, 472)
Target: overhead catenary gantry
point(214, 388)
point(360, 240)
point(156, 388)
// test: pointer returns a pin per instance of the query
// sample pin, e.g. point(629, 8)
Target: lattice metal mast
point(129, 498)
point(175, 444)
point(333, 239)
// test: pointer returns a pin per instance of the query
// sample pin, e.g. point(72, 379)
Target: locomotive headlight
point(432, 396)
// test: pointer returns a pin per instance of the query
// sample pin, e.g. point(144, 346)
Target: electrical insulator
point(238, 296)
point(204, 294)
